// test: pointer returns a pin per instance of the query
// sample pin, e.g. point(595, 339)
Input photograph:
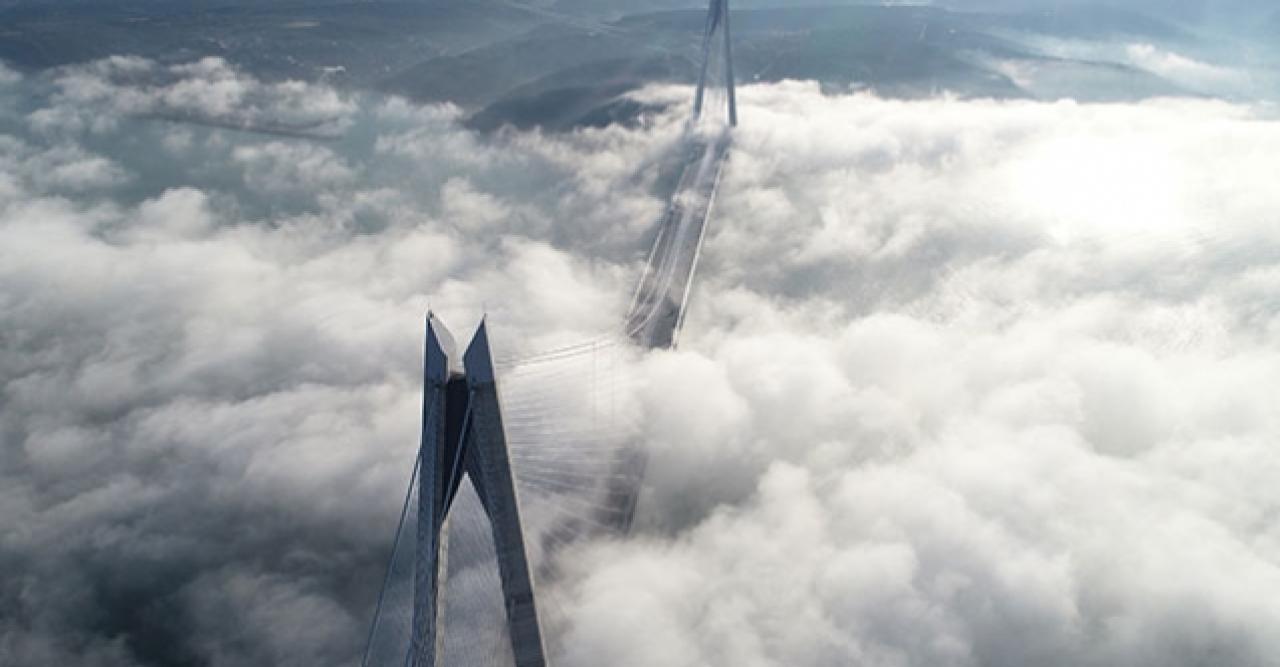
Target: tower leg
point(728, 64)
point(436, 455)
point(427, 649)
point(490, 468)
point(717, 17)
point(702, 75)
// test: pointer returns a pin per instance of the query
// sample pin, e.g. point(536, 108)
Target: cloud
point(964, 382)
point(8, 76)
point(64, 167)
point(282, 167)
point(1181, 69)
point(209, 90)
point(197, 357)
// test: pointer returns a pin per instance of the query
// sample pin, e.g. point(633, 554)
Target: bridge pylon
point(463, 435)
point(717, 28)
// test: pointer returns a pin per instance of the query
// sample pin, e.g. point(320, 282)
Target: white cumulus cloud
point(963, 383)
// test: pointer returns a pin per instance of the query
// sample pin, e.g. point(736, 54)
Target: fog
point(965, 381)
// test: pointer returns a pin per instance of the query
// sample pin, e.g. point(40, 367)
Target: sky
point(964, 382)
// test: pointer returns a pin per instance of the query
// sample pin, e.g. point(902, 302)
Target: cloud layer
point(211, 353)
point(964, 383)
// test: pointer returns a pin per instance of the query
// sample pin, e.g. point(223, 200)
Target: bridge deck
point(657, 311)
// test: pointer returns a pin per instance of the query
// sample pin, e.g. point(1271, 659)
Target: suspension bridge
point(509, 478)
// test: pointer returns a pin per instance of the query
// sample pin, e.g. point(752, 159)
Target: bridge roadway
point(662, 294)
point(658, 307)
